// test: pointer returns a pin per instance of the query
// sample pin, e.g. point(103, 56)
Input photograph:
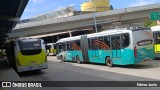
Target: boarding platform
point(7, 73)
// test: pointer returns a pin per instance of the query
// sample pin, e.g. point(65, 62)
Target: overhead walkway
point(84, 21)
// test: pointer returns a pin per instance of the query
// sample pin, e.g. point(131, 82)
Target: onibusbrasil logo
point(19, 84)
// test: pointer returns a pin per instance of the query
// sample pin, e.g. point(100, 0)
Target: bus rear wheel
point(109, 62)
point(78, 60)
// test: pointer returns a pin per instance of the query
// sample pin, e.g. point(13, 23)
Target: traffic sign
point(155, 15)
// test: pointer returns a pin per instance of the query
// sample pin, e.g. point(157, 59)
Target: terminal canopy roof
point(10, 13)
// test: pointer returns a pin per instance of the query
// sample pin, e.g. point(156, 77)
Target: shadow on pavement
point(143, 65)
point(31, 73)
point(4, 64)
point(6, 72)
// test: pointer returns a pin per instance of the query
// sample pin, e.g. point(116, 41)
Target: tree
point(150, 24)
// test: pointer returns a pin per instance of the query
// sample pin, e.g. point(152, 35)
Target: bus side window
point(94, 43)
point(78, 46)
point(60, 47)
point(101, 43)
point(89, 43)
point(115, 42)
point(63, 47)
point(125, 40)
point(107, 42)
point(68, 46)
point(72, 45)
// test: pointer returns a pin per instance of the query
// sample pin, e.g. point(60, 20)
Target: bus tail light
point(17, 62)
point(45, 58)
point(135, 52)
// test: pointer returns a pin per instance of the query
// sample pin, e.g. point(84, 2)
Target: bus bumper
point(157, 55)
point(144, 60)
point(30, 68)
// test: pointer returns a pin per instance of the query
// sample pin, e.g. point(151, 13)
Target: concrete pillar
point(70, 34)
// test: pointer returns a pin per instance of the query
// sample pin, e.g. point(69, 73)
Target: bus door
point(73, 51)
point(69, 52)
point(95, 52)
point(84, 47)
point(116, 46)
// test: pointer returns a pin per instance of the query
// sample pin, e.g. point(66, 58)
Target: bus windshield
point(157, 37)
point(48, 47)
point(29, 45)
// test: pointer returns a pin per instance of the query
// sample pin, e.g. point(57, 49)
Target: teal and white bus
point(112, 47)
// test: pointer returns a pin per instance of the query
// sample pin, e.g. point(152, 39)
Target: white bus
point(51, 50)
point(112, 47)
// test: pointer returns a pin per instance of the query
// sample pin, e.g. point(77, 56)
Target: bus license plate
point(30, 68)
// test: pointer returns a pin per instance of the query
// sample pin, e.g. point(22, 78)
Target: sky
point(36, 7)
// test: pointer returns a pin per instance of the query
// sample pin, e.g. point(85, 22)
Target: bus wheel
point(109, 62)
point(78, 60)
point(62, 59)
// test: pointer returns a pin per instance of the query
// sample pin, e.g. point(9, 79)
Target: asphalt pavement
point(69, 71)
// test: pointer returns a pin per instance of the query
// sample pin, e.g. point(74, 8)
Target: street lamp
point(95, 23)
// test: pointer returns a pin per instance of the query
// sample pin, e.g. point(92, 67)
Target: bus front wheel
point(62, 59)
point(109, 62)
point(78, 60)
